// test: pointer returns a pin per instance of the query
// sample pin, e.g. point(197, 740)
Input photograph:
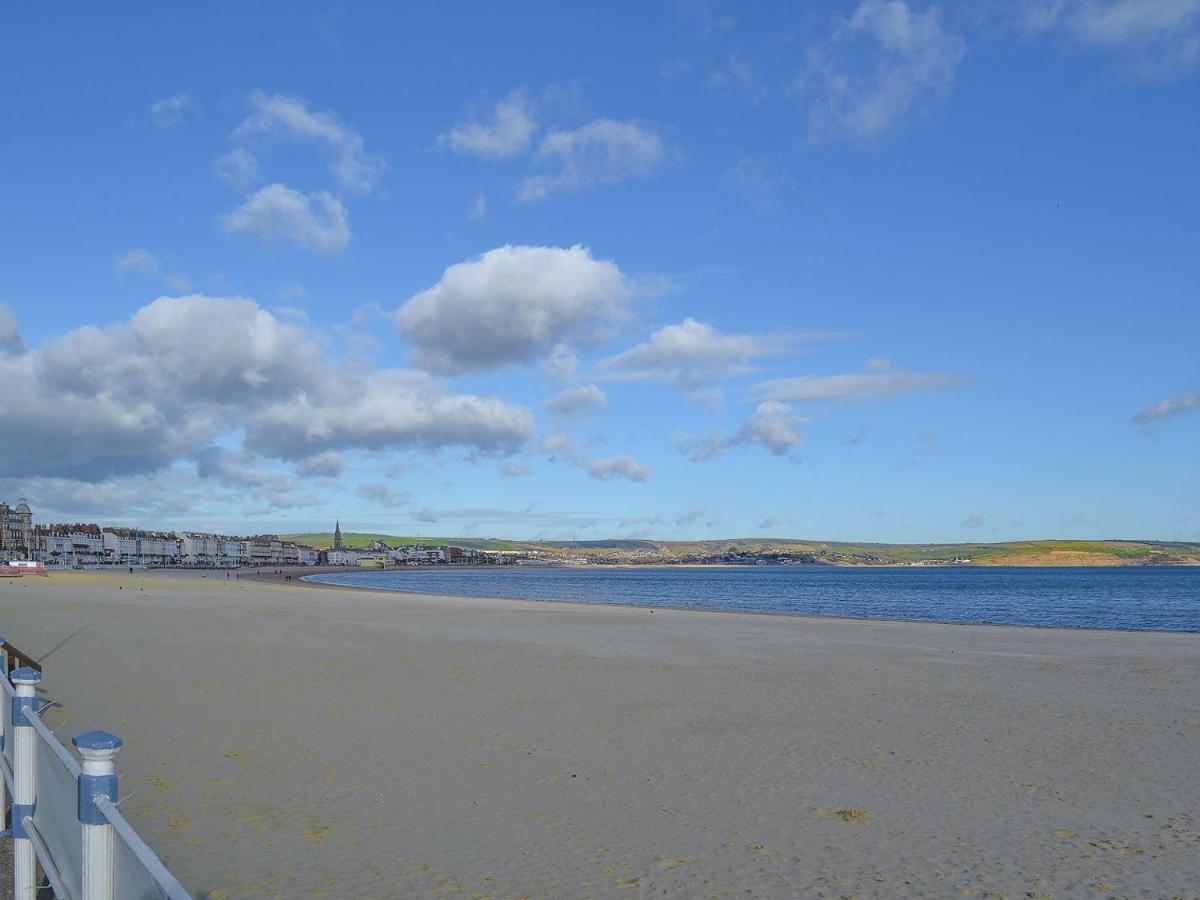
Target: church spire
point(337, 535)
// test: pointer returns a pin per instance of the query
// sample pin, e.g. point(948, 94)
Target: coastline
point(304, 579)
point(282, 742)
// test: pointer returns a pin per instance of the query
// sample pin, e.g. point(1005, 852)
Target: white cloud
point(382, 494)
point(10, 332)
point(573, 401)
point(239, 167)
point(559, 445)
point(168, 112)
point(854, 386)
point(161, 387)
point(1170, 407)
point(511, 305)
point(316, 221)
point(603, 151)
point(1162, 35)
point(479, 210)
point(773, 426)
point(279, 117)
point(882, 61)
point(140, 261)
point(690, 354)
point(387, 409)
point(509, 133)
point(608, 468)
point(323, 465)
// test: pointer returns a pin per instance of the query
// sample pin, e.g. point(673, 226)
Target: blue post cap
point(97, 740)
point(25, 675)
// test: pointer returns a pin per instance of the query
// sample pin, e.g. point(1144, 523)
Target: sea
point(1150, 599)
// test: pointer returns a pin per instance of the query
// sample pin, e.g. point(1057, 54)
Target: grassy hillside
point(1017, 553)
point(324, 540)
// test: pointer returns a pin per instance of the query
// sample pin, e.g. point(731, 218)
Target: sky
point(871, 270)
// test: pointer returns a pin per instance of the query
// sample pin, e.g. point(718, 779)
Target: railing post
point(99, 778)
point(3, 785)
point(25, 682)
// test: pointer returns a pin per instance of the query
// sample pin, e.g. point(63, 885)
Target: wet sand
point(289, 741)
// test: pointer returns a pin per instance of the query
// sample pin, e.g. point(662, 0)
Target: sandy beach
point(289, 741)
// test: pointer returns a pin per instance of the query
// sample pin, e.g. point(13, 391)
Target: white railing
point(64, 813)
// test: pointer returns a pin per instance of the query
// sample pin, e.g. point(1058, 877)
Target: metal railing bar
point(7, 771)
point(64, 755)
point(48, 865)
point(147, 857)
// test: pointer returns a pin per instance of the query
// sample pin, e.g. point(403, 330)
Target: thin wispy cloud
point(1165, 409)
point(278, 117)
point(691, 353)
point(169, 111)
point(603, 151)
point(880, 64)
point(239, 167)
point(852, 386)
point(1160, 37)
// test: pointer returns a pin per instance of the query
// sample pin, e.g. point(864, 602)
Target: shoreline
point(305, 580)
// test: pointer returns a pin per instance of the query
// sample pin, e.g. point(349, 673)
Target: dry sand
point(287, 741)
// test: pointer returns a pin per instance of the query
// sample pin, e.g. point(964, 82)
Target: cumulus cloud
point(168, 112)
point(772, 425)
point(603, 151)
point(881, 62)
point(277, 212)
point(509, 133)
point(854, 386)
point(279, 117)
point(511, 305)
point(10, 332)
point(386, 409)
point(233, 466)
point(574, 401)
point(1162, 35)
point(239, 167)
point(383, 495)
point(329, 464)
point(137, 396)
point(610, 467)
point(689, 354)
point(1172, 406)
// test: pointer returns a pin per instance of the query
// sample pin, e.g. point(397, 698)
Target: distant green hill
point(1014, 553)
point(324, 540)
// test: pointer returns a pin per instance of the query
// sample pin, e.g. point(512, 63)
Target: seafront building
point(83, 545)
point(16, 530)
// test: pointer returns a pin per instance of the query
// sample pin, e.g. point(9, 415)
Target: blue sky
point(867, 270)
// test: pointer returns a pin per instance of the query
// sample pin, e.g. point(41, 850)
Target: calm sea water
point(1165, 599)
